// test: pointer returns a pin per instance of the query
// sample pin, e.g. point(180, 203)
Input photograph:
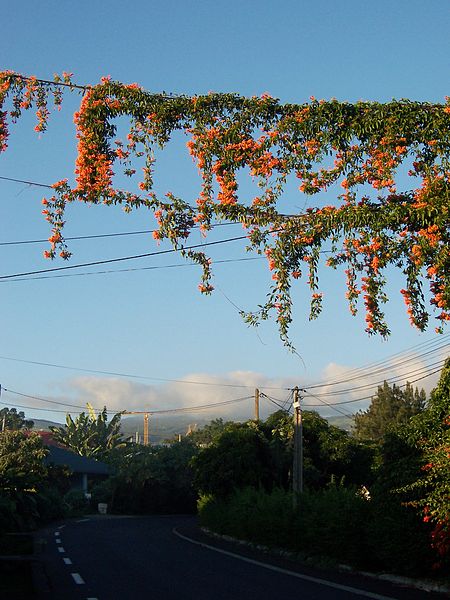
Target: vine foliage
point(358, 153)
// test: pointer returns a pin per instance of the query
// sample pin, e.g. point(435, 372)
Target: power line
point(45, 399)
point(32, 183)
point(125, 258)
point(339, 411)
point(189, 409)
point(371, 396)
point(134, 376)
point(391, 379)
point(101, 235)
point(273, 401)
point(276, 401)
point(183, 409)
point(51, 83)
point(130, 270)
point(388, 361)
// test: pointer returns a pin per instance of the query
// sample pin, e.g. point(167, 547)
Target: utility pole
point(145, 429)
point(297, 471)
point(256, 404)
point(4, 416)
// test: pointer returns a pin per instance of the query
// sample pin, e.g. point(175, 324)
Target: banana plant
point(90, 435)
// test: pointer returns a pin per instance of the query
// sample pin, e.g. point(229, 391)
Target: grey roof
point(75, 462)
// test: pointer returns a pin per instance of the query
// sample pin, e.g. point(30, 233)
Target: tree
point(359, 147)
point(237, 459)
point(21, 461)
point(413, 474)
point(207, 434)
point(390, 407)
point(11, 419)
point(22, 475)
point(89, 434)
point(151, 479)
point(430, 435)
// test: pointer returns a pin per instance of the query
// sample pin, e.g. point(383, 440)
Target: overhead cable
point(194, 408)
point(125, 258)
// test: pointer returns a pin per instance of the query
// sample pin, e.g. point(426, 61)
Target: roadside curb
point(418, 584)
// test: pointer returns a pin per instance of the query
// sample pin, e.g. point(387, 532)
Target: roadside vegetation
point(376, 498)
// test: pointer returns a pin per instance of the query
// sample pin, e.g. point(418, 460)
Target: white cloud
point(125, 394)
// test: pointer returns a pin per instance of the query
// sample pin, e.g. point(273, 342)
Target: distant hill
point(161, 428)
point(43, 424)
point(343, 422)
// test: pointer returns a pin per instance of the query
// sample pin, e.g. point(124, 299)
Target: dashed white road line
point(61, 549)
point(77, 578)
point(82, 520)
point(67, 561)
point(61, 527)
point(57, 534)
point(58, 541)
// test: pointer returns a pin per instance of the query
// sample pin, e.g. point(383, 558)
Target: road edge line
point(309, 578)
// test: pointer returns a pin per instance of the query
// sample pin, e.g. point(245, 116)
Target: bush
point(50, 506)
point(77, 503)
point(7, 515)
point(335, 524)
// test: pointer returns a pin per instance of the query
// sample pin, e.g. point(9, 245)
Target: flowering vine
point(357, 149)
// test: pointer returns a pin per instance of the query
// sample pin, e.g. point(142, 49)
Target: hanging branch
point(360, 147)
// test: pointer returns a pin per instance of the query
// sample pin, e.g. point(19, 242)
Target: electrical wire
point(338, 410)
point(125, 258)
point(130, 270)
point(134, 376)
point(31, 183)
point(372, 395)
point(392, 379)
point(125, 411)
point(388, 360)
point(273, 402)
point(101, 235)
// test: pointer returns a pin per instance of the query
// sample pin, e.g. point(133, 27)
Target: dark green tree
point(22, 476)
point(11, 419)
point(329, 452)
point(21, 461)
point(390, 407)
point(207, 434)
point(151, 479)
point(429, 434)
point(238, 458)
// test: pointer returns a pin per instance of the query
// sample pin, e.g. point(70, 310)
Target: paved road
point(127, 558)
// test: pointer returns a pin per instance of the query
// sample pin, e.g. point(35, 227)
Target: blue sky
point(154, 322)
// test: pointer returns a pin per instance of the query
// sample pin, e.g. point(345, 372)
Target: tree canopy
point(361, 153)
point(10, 418)
point(391, 406)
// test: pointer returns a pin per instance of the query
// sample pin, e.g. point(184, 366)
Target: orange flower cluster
point(5, 84)
point(93, 168)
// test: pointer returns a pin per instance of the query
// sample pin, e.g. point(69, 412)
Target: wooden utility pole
point(297, 471)
point(145, 429)
point(256, 404)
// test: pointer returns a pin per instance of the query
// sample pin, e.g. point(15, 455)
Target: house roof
point(75, 462)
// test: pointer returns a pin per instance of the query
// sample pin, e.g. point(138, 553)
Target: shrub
point(77, 503)
point(335, 524)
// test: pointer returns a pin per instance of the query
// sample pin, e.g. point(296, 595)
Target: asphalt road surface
point(129, 558)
